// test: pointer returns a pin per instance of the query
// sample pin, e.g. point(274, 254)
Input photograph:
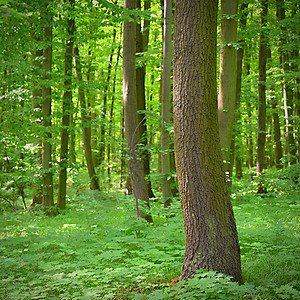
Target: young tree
point(135, 163)
point(261, 119)
point(240, 55)
point(66, 110)
point(166, 74)
point(142, 37)
point(211, 239)
point(47, 198)
point(86, 133)
point(227, 81)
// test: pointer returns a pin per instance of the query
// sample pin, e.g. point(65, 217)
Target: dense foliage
point(97, 249)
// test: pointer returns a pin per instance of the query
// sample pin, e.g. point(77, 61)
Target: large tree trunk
point(261, 119)
point(166, 74)
point(211, 239)
point(135, 163)
point(227, 80)
point(47, 198)
point(86, 133)
point(66, 111)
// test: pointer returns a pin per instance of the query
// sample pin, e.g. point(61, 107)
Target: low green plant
point(98, 249)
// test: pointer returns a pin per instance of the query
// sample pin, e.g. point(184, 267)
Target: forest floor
point(98, 249)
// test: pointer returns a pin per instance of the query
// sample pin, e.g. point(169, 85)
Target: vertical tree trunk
point(36, 99)
point(66, 110)
point(287, 90)
point(85, 120)
point(240, 55)
point(211, 239)
point(166, 74)
point(105, 90)
point(141, 47)
point(135, 163)
point(47, 199)
point(227, 80)
point(261, 119)
point(249, 140)
point(112, 110)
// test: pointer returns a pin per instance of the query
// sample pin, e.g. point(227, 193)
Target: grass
point(98, 249)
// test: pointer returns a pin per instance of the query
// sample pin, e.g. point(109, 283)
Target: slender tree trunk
point(66, 111)
point(287, 90)
point(249, 140)
point(240, 55)
point(166, 74)
point(211, 239)
point(261, 119)
point(135, 164)
point(142, 47)
point(85, 121)
point(47, 199)
point(36, 99)
point(105, 91)
point(227, 80)
point(112, 110)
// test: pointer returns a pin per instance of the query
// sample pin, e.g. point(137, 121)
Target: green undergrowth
point(98, 249)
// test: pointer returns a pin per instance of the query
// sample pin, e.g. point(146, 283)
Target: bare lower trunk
point(85, 119)
point(66, 111)
point(211, 239)
point(47, 198)
point(261, 119)
point(135, 163)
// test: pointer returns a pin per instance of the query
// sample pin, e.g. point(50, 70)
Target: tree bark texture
point(227, 80)
point(85, 120)
point(47, 198)
point(166, 75)
point(66, 111)
point(211, 239)
point(261, 119)
point(132, 133)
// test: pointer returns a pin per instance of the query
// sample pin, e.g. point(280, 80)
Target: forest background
point(63, 153)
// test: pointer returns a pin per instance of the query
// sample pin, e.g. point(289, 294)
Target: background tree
point(135, 163)
point(67, 106)
point(166, 75)
point(261, 122)
point(47, 199)
point(227, 80)
point(210, 232)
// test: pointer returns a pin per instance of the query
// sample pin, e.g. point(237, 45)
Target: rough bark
point(135, 163)
point(47, 189)
point(166, 74)
point(84, 121)
point(261, 118)
point(227, 79)
point(66, 111)
point(210, 232)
